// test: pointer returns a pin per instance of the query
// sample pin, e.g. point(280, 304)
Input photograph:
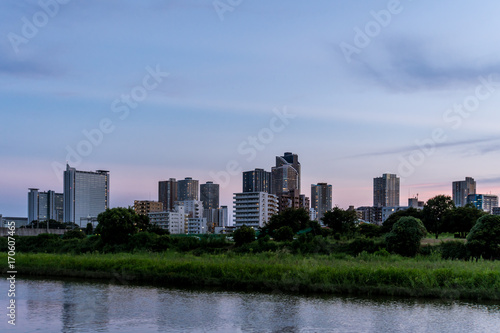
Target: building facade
point(254, 209)
point(167, 193)
point(197, 226)
point(462, 189)
point(386, 190)
point(415, 203)
point(285, 176)
point(257, 180)
point(86, 194)
point(43, 206)
point(187, 189)
point(484, 202)
point(175, 221)
point(321, 199)
point(192, 208)
point(209, 195)
point(144, 207)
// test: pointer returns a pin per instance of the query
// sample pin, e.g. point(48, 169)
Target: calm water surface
point(75, 306)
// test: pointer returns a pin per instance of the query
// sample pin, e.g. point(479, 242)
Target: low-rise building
point(197, 225)
point(254, 209)
point(176, 221)
point(144, 207)
point(484, 202)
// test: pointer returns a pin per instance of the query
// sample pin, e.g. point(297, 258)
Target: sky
point(152, 90)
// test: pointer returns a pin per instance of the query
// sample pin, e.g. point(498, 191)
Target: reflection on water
point(71, 306)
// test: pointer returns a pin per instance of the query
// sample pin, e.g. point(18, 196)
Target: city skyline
point(355, 89)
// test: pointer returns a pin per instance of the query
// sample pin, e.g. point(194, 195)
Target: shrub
point(161, 243)
point(453, 250)
point(370, 230)
point(142, 241)
point(244, 235)
point(405, 236)
point(484, 238)
point(284, 234)
point(70, 234)
point(362, 244)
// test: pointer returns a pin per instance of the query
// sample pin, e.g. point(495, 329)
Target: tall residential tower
point(321, 199)
point(462, 189)
point(386, 190)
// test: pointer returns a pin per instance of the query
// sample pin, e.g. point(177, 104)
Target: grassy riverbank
point(365, 274)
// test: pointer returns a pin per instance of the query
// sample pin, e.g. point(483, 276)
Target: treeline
point(121, 230)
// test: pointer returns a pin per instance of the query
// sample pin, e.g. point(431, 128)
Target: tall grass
point(364, 274)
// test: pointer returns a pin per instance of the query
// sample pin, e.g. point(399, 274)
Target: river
point(110, 306)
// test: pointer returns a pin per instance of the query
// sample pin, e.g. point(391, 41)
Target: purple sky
point(151, 90)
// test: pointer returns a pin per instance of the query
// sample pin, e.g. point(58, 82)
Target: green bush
point(453, 250)
point(4, 244)
point(162, 243)
point(76, 233)
point(405, 236)
point(359, 245)
point(142, 241)
point(484, 238)
point(244, 235)
point(284, 234)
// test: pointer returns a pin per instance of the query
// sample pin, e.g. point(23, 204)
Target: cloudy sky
point(151, 90)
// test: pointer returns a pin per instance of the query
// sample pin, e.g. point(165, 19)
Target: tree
point(394, 217)
point(243, 235)
point(370, 230)
point(461, 219)
point(434, 212)
point(484, 238)
point(89, 229)
point(116, 225)
point(340, 221)
point(405, 236)
point(296, 219)
point(284, 234)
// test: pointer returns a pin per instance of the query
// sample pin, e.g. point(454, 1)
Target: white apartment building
point(176, 221)
point(254, 209)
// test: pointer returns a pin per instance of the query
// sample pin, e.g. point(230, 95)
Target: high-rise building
point(257, 180)
point(484, 202)
point(254, 209)
point(386, 190)
point(292, 200)
point(86, 194)
point(285, 176)
point(321, 199)
point(209, 195)
point(461, 189)
point(167, 193)
point(144, 207)
point(216, 218)
point(43, 206)
point(187, 189)
point(223, 220)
